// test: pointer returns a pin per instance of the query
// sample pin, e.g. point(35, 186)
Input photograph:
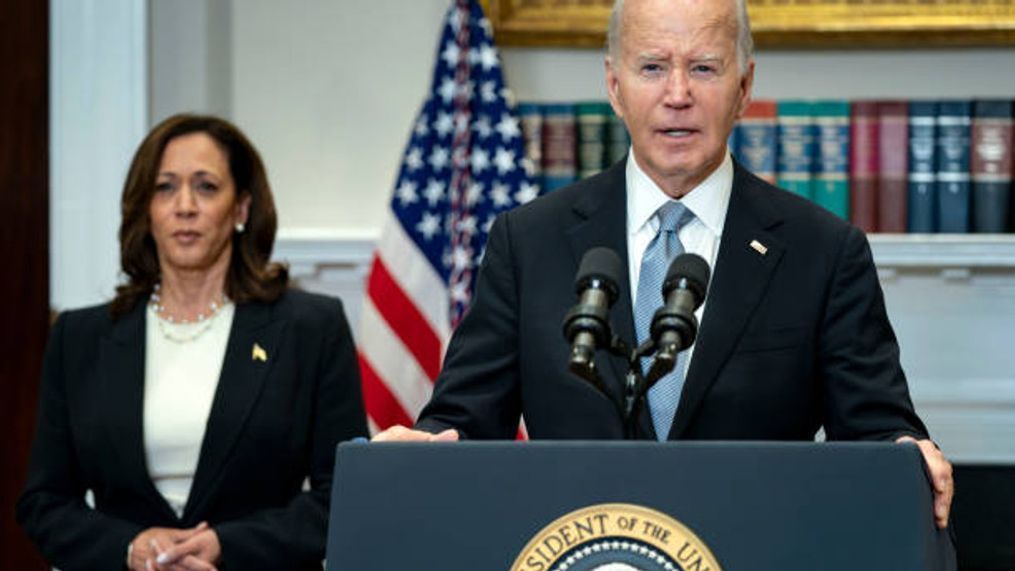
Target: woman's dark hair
point(251, 277)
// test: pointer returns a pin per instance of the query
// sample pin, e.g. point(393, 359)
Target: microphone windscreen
point(601, 264)
point(692, 268)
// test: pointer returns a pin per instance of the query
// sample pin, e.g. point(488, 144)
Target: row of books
point(569, 141)
point(886, 165)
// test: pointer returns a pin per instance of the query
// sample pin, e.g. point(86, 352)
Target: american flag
point(464, 164)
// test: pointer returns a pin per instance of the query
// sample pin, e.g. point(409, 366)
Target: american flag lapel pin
point(759, 247)
point(258, 353)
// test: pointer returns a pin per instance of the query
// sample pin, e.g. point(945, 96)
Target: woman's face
point(195, 206)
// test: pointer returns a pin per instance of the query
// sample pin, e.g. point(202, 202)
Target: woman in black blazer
point(198, 402)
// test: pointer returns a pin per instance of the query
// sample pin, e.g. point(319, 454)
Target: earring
point(240, 227)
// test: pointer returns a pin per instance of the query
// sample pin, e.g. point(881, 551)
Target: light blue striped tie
point(665, 394)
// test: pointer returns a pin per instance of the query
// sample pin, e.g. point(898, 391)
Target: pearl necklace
point(168, 321)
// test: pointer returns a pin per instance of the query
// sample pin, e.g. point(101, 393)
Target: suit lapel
point(122, 365)
point(250, 353)
point(740, 277)
point(601, 220)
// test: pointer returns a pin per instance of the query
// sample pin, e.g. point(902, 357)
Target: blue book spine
point(756, 140)
point(954, 119)
point(922, 165)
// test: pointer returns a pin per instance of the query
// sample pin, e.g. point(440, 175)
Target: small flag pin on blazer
point(259, 354)
point(759, 247)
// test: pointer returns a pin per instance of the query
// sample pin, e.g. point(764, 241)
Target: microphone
point(586, 325)
point(674, 325)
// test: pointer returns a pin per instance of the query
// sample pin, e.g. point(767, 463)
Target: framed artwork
point(780, 23)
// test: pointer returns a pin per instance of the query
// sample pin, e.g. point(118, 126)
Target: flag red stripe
point(404, 319)
point(382, 406)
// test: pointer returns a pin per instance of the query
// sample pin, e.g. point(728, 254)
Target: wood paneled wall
point(24, 246)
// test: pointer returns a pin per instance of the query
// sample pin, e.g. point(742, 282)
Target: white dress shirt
point(708, 202)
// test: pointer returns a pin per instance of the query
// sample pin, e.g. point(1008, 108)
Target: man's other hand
point(399, 433)
point(940, 470)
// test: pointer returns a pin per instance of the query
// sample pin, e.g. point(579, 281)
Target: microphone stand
point(636, 385)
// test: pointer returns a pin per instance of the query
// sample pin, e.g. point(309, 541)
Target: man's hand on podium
point(940, 470)
point(399, 433)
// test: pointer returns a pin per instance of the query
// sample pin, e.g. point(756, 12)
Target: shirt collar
point(708, 201)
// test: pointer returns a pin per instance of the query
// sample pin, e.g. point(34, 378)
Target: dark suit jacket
point(791, 340)
point(272, 424)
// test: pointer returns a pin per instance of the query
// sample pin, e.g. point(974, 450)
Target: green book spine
point(618, 141)
point(592, 119)
point(831, 174)
point(796, 147)
point(531, 117)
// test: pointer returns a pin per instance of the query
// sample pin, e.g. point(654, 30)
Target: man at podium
point(794, 334)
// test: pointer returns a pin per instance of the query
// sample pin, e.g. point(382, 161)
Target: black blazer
point(791, 340)
point(273, 423)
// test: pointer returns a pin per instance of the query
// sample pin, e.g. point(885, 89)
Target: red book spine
point(864, 165)
point(991, 164)
point(893, 184)
point(992, 159)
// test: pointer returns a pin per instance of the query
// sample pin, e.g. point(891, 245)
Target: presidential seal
point(616, 537)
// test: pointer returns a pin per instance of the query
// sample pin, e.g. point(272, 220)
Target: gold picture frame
point(780, 23)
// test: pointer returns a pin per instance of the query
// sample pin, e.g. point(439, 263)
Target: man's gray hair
point(745, 42)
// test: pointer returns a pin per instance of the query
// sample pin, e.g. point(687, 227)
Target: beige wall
point(328, 91)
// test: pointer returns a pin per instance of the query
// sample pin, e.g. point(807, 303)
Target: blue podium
point(633, 506)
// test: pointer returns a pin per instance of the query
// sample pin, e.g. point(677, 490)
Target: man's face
point(675, 82)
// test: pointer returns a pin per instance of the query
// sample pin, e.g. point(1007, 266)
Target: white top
point(180, 382)
point(708, 201)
